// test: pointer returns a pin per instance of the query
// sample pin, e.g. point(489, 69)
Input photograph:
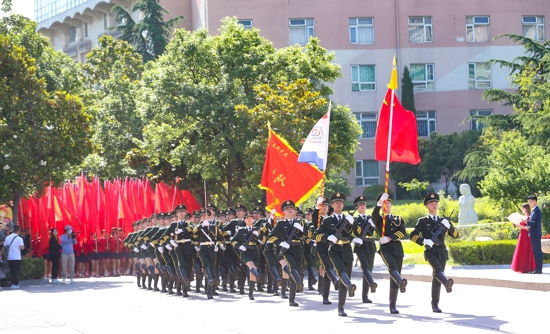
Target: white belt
point(227, 242)
point(183, 241)
point(208, 243)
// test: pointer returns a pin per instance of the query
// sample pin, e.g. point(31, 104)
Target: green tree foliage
point(407, 91)
point(151, 34)
point(5, 6)
point(415, 186)
point(41, 133)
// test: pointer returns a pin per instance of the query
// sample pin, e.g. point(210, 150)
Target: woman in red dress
point(523, 261)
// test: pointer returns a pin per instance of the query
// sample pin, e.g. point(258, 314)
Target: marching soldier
point(221, 261)
point(207, 237)
point(228, 230)
point(172, 247)
point(168, 254)
point(246, 241)
point(160, 263)
point(183, 235)
point(310, 261)
point(269, 253)
point(233, 226)
point(365, 248)
point(391, 249)
point(259, 223)
point(430, 232)
point(336, 230)
point(129, 243)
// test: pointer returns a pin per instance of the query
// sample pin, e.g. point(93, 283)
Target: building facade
point(445, 44)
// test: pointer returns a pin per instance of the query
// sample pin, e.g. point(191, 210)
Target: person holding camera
point(68, 240)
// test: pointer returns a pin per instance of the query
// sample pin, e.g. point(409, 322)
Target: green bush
point(495, 231)
point(31, 269)
point(372, 191)
point(410, 212)
point(482, 252)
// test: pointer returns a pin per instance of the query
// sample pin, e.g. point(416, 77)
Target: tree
point(407, 91)
point(5, 6)
point(41, 133)
point(151, 34)
point(415, 186)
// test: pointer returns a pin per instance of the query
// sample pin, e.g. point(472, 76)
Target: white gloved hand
point(256, 233)
point(371, 222)
point(136, 250)
point(314, 244)
point(273, 212)
point(144, 246)
point(358, 241)
point(261, 243)
point(384, 240)
point(168, 247)
point(228, 232)
point(384, 197)
point(206, 223)
point(160, 249)
point(173, 243)
point(151, 244)
point(446, 223)
point(179, 230)
point(428, 242)
point(197, 248)
point(222, 247)
point(299, 226)
point(284, 244)
point(242, 248)
point(319, 200)
point(349, 218)
point(332, 238)
point(216, 248)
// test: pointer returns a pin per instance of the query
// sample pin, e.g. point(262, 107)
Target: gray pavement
point(109, 305)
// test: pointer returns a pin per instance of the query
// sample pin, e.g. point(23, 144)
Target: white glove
point(314, 244)
point(228, 232)
point(197, 248)
point(349, 218)
point(242, 248)
point(216, 248)
point(284, 244)
point(299, 226)
point(446, 223)
point(384, 197)
point(332, 238)
point(222, 247)
point(384, 240)
point(261, 243)
point(256, 233)
point(160, 249)
point(273, 212)
point(206, 223)
point(371, 222)
point(168, 247)
point(179, 230)
point(428, 242)
point(151, 244)
point(144, 246)
point(319, 200)
point(136, 250)
point(173, 243)
point(358, 241)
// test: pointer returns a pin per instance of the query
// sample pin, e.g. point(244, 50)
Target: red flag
point(190, 201)
point(404, 136)
point(284, 178)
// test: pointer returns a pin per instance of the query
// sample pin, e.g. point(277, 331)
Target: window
point(422, 76)
point(479, 75)
point(362, 78)
point(85, 29)
point(420, 29)
point(361, 30)
point(367, 121)
point(477, 29)
point(72, 34)
point(475, 122)
point(366, 172)
point(533, 27)
point(425, 121)
point(246, 23)
point(300, 31)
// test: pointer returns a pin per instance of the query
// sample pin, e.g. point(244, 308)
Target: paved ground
point(110, 305)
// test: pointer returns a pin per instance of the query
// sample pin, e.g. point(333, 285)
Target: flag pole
point(392, 85)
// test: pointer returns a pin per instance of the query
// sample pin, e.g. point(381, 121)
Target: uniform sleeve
point(356, 230)
point(452, 231)
point(415, 234)
point(323, 231)
point(238, 240)
point(377, 219)
point(273, 237)
point(399, 234)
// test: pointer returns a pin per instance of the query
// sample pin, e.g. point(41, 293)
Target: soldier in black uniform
point(206, 235)
point(436, 252)
point(310, 261)
point(271, 259)
point(259, 222)
point(336, 231)
point(172, 247)
point(365, 248)
point(246, 242)
point(183, 235)
point(221, 216)
point(228, 230)
point(160, 263)
point(391, 249)
point(232, 227)
point(129, 243)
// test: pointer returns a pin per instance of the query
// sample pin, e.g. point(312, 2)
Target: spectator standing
point(68, 240)
point(4, 267)
point(27, 242)
point(55, 254)
point(14, 245)
point(535, 232)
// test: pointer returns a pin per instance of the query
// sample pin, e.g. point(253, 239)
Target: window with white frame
point(363, 78)
point(425, 122)
point(533, 27)
point(367, 121)
point(477, 29)
point(420, 29)
point(247, 24)
point(361, 30)
point(366, 172)
point(72, 34)
point(479, 75)
point(476, 122)
point(422, 76)
point(300, 31)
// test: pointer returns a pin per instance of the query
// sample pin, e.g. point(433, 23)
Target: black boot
point(367, 276)
point(326, 290)
point(275, 274)
point(184, 290)
point(341, 302)
point(143, 279)
point(436, 291)
point(283, 288)
point(223, 273)
point(394, 274)
point(198, 279)
point(178, 288)
point(156, 282)
point(185, 278)
point(365, 294)
point(292, 294)
point(209, 292)
point(321, 284)
point(344, 279)
point(163, 284)
point(151, 270)
point(446, 282)
point(139, 279)
point(393, 299)
point(232, 269)
point(171, 280)
point(296, 278)
point(251, 285)
point(170, 270)
point(333, 277)
point(270, 282)
point(311, 277)
point(232, 284)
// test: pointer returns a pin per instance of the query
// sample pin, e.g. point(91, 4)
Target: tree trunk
point(15, 207)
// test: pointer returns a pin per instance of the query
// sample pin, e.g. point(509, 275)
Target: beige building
point(445, 43)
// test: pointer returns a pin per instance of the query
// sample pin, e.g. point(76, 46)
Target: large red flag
point(404, 136)
point(284, 178)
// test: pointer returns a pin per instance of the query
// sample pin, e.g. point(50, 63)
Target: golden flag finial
point(394, 61)
point(393, 82)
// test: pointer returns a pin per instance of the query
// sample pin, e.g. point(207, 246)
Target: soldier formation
point(224, 250)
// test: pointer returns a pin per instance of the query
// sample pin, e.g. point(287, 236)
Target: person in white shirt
point(15, 245)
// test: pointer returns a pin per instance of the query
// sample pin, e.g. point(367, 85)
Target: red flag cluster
point(90, 207)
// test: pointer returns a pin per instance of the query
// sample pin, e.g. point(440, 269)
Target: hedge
point(485, 252)
point(31, 269)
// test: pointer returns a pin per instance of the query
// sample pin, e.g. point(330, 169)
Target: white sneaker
point(55, 281)
point(14, 287)
point(72, 281)
point(64, 281)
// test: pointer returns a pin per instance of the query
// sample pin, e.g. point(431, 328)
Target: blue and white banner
point(315, 148)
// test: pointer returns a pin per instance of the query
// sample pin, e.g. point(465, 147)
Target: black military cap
point(337, 197)
point(309, 211)
point(533, 197)
point(259, 209)
point(187, 215)
point(231, 210)
point(221, 213)
point(288, 204)
point(211, 206)
point(168, 215)
point(203, 211)
point(240, 207)
point(135, 223)
point(360, 199)
point(380, 195)
point(246, 215)
point(300, 212)
point(180, 207)
point(196, 213)
point(433, 197)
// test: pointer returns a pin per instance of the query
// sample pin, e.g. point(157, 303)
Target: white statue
point(467, 215)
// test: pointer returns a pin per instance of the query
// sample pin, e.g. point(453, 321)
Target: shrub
point(482, 252)
point(31, 269)
point(410, 212)
point(495, 231)
point(372, 191)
